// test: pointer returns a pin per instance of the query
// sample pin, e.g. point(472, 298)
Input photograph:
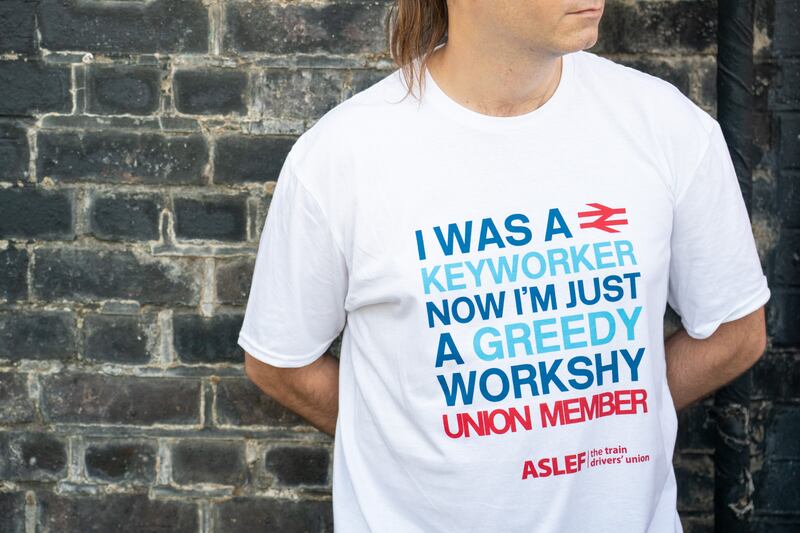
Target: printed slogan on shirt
point(560, 317)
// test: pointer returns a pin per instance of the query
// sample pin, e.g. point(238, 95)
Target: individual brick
point(17, 27)
point(776, 376)
point(88, 275)
point(75, 397)
point(239, 402)
point(786, 261)
point(298, 465)
point(14, 280)
point(245, 158)
point(696, 429)
point(120, 513)
point(116, 339)
point(777, 490)
point(784, 322)
point(199, 339)
point(13, 150)
point(16, 407)
point(233, 280)
point(30, 213)
point(252, 515)
point(121, 461)
point(785, 37)
point(782, 433)
point(12, 512)
point(695, 477)
point(169, 26)
point(789, 147)
point(121, 157)
point(37, 335)
point(210, 92)
point(32, 456)
point(123, 89)
point(333, 28)
point(222, 218)
point(292, 93)
point(125, 217)
point(32, 87)
point(208, 461)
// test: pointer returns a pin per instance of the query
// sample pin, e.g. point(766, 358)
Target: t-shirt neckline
point(435, 96)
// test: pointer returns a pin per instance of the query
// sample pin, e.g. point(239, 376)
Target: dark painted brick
point(786, 264)
point(17, 26)
point(120, 513)
point(91, 398)
point(14, 280)
point(116, 339)
point(658, 26)
point(34, 213)
point(777, 488)
point(32, 456)
point(695, 477)
point(789, 199)
point(298, 465)
point(12, 512)
point(213, 339)
point(702, 523)
point(241, 403)
point(206, 461)
point(251, 515)
point(125, 217)
point(221, 218)
point(775, 524)
point(241, 159)
point(782, 435)
point(783, 93)
point(122, 461)
point(209, 92)
point(157, 26)
point(288, 93)
point(32, 87)
point(341, 28)
point(784, 317)
point(16, 406)
point(37, 335)
point(133, 90)
point(776, 376)
point(13, 151)
point(233, 280)
point(86, 275)
point(789, 150)
point(117, 157)
point(696, 429)
point(786, 38)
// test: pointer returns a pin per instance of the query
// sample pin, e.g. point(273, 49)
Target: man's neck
point(494, 82)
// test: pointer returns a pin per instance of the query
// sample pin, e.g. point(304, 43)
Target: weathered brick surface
point(295, 465)
point(122, 461)
point(207, 461)
point(118, 90)
point(140, 142)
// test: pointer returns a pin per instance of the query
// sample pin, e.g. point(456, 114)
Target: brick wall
point(139, 144)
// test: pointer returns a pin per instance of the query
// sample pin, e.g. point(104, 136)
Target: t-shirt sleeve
point(295, 308)
point(715, 274)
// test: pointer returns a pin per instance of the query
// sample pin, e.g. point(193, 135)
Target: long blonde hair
point(416, 28)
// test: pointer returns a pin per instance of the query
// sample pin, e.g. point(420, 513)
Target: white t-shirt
point(502, 284)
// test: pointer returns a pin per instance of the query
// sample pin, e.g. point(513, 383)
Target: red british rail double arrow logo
point(603, 214)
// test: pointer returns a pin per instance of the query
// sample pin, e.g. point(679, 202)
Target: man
point(499, 254)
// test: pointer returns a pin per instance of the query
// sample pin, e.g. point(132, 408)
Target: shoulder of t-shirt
point(668, 123)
